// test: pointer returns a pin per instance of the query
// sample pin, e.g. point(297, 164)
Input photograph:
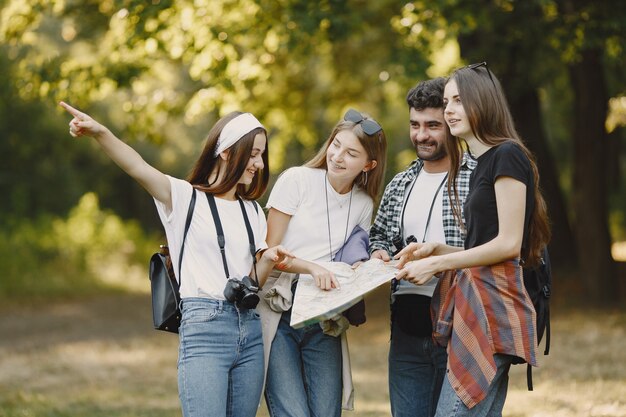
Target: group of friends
point(461, 219)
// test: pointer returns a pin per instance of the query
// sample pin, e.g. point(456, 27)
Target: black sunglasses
point(482, 64)
point(369, 126)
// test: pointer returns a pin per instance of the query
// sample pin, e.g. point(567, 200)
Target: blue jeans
point(220, 360)
point(417, 367)
point(450, 405)
point(304, 372)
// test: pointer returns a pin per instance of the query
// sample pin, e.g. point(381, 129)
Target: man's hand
point(381, 254)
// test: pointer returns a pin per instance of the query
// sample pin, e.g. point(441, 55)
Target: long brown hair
point(238, 158)
point(376, 147)
point(491, 122)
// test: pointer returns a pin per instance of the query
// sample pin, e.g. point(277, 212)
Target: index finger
point(403, 252)
point(334, 283)
point(403, 260)
point(71, 110)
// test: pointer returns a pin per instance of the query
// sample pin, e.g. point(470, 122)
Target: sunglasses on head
point(369, 126)
point(482, 64)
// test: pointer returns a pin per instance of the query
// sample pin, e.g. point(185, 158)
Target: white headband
point(235, 130)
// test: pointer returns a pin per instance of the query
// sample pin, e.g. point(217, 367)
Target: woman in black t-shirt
point(483, 312)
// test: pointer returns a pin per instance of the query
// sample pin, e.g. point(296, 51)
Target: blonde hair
point(376, 147)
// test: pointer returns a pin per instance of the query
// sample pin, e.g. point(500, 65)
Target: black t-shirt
point(481, 211)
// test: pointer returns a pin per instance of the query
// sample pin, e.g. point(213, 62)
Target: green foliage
point(91, 250)
point(160, 73)
point(297, 65)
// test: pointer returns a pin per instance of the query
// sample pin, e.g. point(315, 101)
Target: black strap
point(221, 241)
point(411, 239)
point(529, 377)
point(192, 205)
point(547, 350)
point(249, 230)
point(220, 232)
point(432, 204)
point(430, 211)
point(406, 199)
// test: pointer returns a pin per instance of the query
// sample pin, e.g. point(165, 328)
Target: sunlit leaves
point(153, 63)
point(617, 113)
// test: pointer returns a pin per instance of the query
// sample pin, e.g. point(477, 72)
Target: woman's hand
point(324, 278)
point(418, 272)
point(82, 124)
point(150, 178)
point(415, 251)
point(277, 255)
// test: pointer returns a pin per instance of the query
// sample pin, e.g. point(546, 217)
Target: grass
point(98, 356)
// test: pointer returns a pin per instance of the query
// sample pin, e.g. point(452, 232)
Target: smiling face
point(428, 133)
point(255, 163)
point(346, 158)
point(454, 112)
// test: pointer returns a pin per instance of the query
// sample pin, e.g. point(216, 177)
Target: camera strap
point(432, 205)
point(430, 211)
point(221, 241)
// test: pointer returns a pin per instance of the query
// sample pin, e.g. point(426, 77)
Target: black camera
point(398, 243)
point(243, 293)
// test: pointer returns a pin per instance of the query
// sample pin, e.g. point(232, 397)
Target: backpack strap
point(547, 292)
point(547, 349)
point(529, 377)
point(221, 241)
point(192, 205)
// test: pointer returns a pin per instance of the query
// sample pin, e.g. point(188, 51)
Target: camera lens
point(249, 297)
point(249, 300)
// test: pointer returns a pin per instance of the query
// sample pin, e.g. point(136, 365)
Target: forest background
point(160, 73)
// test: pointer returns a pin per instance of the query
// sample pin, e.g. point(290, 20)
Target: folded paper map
point(312, 305)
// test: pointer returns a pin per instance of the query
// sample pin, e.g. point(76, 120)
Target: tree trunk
point(527, 114)
point(597, 268)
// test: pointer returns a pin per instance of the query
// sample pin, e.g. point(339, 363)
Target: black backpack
point(538, 284)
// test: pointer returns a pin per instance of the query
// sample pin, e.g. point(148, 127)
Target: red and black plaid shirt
point(478, 312)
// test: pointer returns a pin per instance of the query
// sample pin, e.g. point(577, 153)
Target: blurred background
point(76, 232)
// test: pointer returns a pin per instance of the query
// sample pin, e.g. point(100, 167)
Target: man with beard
point(416, 207)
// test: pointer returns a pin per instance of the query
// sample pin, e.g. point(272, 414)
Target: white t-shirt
point(415, 218)
point(202, 270)
point(301, 193)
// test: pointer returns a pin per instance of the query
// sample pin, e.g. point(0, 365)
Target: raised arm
point(510, 201)
point(153, 180)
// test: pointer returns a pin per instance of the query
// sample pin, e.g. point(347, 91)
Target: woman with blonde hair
point(313, 211)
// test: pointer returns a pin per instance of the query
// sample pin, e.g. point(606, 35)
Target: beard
point(434, 153)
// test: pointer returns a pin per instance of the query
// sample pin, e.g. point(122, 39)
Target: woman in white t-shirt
point(312, 211)
point(220, 364)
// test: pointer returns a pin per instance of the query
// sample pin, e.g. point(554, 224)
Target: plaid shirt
point(477, 313)
point(387, 224)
